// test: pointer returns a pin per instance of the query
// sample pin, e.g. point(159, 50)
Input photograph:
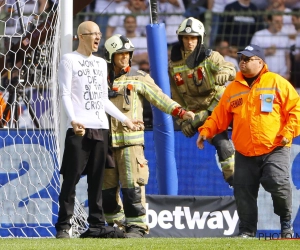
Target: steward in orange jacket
point(265, 111)
point(256, 132)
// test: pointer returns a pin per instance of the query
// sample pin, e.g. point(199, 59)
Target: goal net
point(29, 124)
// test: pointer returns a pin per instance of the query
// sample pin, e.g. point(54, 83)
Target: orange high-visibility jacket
point(256, 132)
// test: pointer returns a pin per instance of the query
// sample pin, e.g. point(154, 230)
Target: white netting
point(29, 112)
point(79, 220)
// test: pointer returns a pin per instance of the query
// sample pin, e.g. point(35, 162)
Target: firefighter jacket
point(130, 89)
point(196, 89)
point(262, 114)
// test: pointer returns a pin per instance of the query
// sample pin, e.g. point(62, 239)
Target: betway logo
point(214, 220)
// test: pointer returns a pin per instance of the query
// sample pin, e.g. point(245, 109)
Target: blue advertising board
point(29, 183)
point(200, 175)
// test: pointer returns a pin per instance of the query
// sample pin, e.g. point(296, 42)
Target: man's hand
point(139, 124)
point(187, 128)
point(78, 128)
point(200, 141)
point(188, 115)
point(134, 125)
point(284, 140)
point(222, 77)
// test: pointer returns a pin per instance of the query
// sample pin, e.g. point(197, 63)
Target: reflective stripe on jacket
point(131, 90)
point(195, 89)
point(256, 132)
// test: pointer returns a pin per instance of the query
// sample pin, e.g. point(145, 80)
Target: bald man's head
point(89, 36)
point(87, 27)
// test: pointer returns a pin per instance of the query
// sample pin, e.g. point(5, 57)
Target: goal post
point(79, 219)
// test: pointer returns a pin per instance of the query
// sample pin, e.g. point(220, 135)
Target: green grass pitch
point(147, 243)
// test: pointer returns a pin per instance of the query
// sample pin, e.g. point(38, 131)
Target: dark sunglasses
point(248, 59)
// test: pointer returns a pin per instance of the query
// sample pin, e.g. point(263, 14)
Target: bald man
point(83, 87)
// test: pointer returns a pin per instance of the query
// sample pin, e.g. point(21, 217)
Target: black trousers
point(272, 172)
point(82, 155)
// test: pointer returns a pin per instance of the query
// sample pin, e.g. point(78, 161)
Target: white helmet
point(117, 44)
point(191, 27)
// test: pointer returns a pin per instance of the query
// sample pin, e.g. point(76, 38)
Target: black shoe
point(62, 234)
point(103, 232)
point(133, 231)
point(245, 235)
point(287, 230)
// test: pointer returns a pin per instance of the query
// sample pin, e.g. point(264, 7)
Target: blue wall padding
point(163, 129)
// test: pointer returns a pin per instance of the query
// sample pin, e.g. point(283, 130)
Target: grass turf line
point(146, 244)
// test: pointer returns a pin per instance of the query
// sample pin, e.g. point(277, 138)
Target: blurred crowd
point(231, 25)
point(18, 20)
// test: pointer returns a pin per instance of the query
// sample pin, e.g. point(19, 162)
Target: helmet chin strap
point(197, 56)
point(118, 72)
point(111, 76)
point(125, 70)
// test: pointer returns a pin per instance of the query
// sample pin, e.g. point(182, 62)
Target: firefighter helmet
point(191, 27)
point(117, 44)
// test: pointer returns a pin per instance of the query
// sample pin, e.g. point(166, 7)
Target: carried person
point(197, 77)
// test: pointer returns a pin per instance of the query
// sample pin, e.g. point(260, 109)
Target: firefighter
point(130, 173)
point(197, 77)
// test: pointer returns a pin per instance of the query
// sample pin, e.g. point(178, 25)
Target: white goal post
point(30, 127)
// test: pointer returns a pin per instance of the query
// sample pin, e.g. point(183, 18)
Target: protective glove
point(222, 77)
point(229, 180)
point(199, 119)
point(187, 128)
point(190, 127)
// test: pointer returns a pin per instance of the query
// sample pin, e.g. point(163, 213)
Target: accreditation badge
point(266, 102)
